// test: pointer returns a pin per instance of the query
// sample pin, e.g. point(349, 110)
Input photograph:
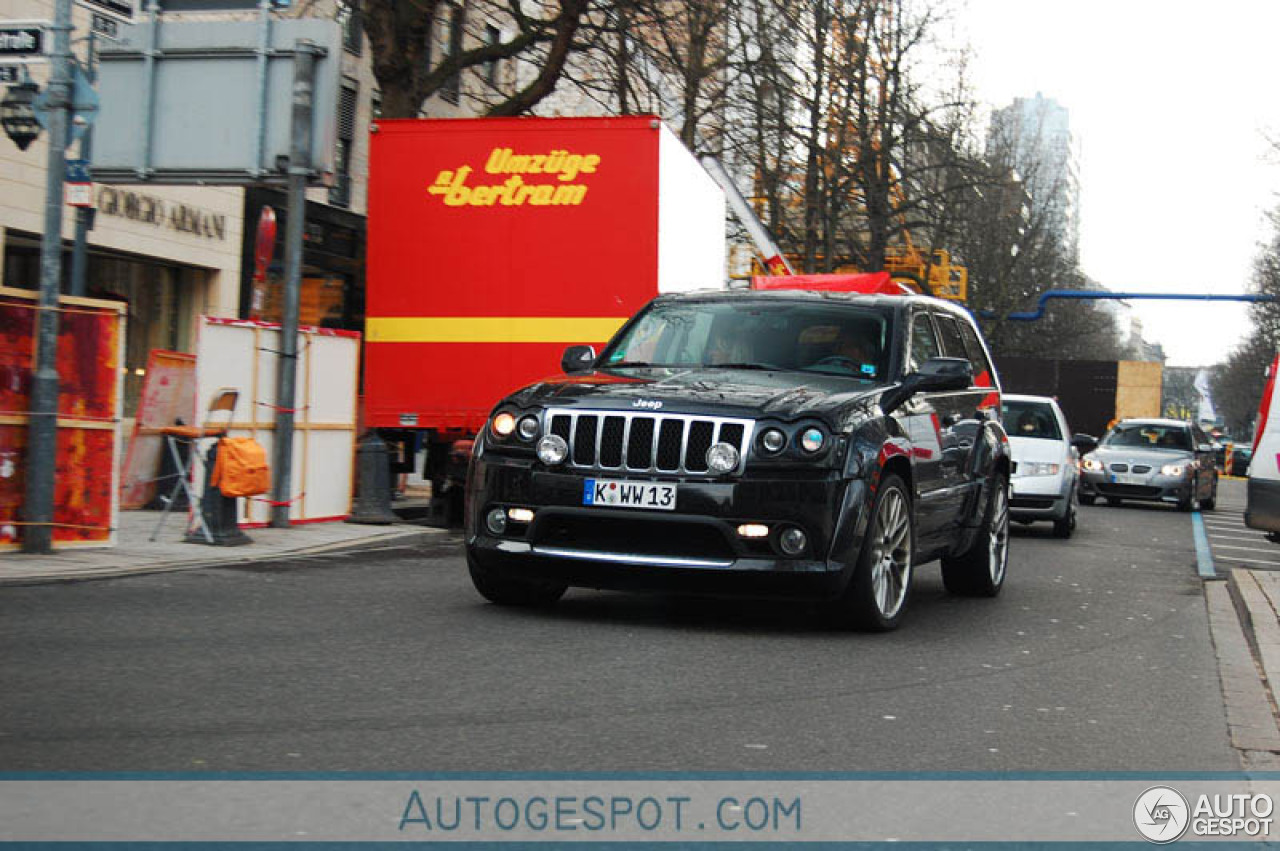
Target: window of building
point(352, 28)
point(340, 192)
point(454, 19)
point(492, 35)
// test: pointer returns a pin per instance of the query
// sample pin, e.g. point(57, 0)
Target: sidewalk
point(135, 554)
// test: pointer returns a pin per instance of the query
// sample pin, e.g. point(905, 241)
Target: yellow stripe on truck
point(491, 329)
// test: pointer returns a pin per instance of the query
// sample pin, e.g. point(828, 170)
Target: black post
point(42, 432)
point(286, 375)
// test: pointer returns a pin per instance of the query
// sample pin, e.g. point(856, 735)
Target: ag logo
point(1161, 814)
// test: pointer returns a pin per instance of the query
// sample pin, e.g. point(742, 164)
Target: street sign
point(120, 10)
point(78, 189)
point(105, 26)
point(24, 41)
point(9, 74)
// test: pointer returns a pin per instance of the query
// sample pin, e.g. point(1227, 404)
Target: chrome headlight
point(1173, 469)
point(527, 428)
point(812, 439)
point(552, 450)
point(1092, 464)
point(722, 458)
point(772, 440)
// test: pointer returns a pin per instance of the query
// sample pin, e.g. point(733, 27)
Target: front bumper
point(1039, 497)
point(1152, 487)
point(694, 548)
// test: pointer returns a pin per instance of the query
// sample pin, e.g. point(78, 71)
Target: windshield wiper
point(765, 367)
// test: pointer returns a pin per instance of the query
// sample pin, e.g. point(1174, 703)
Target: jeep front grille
point(645, 442)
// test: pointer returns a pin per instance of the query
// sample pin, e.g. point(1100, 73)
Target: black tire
point(1114, 500)
point(980, 570)
point(510, 591)
point(1063, 527)
point(1087, 499)
point(1212, 502)
point(880, 589)
point(1192, 502)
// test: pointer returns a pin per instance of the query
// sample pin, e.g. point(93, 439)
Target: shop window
point(352, 28)
point(492, 35)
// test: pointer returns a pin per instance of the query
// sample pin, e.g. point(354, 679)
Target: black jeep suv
point(780, 444)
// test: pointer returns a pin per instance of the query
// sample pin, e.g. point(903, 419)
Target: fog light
point(753, 530)
point(773, 440)
point(496, 521)
point(519, 515)
point(528, 427)
point(722, 458)
point(792, 541)
point(552, 450)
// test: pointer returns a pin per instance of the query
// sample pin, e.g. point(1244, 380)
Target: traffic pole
point(42, 431)
point(304, 63)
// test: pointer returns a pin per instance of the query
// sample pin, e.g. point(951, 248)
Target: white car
point(1046, 468)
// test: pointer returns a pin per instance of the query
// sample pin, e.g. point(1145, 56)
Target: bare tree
point(400, 34)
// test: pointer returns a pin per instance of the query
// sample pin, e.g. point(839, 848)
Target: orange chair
point(218, 418)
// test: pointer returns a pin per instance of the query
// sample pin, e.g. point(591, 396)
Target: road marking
point(1247, 562)
point(1256, 539)
point(1248, 549)
point(1204, 556)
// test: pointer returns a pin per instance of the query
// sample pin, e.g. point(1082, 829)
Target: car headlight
point(503, 424)
point(527, 428)
point(1039, 468)
point(552, 450)
point(812, 439)
point(1092, 464)
point(772, 440)
point(1173, 470)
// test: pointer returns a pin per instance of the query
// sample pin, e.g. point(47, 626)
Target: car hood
point(1028, 450)
point(708, 390)
point(1137, 455)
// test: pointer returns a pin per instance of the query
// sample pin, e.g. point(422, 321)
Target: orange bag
point(241, 467)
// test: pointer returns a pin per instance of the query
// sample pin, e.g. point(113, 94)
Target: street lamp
point(18, 114)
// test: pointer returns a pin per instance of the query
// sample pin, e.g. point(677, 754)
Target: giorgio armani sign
point(150, 210)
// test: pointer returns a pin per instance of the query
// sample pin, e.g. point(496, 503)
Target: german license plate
point(616, 493)
point(1128, 478)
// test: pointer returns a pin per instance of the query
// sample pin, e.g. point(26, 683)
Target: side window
point(972, 345)
point(952, 344)
point(924, 344)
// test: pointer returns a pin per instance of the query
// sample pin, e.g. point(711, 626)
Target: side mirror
point(936, 375)
point(577, 359)
point(1084, 443)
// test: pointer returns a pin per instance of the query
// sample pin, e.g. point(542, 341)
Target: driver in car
point(853, 352)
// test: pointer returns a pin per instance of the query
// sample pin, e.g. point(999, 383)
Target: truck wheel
point(1212, 502)
point(877, 596)
point(509, 591)
point(980, 570)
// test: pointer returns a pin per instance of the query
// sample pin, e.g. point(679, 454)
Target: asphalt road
point(1096, 657)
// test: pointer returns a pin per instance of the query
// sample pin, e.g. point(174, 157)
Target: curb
point(232, 559)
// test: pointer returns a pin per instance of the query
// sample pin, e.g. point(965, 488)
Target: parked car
point(777, 444)
point(1046, 472)
point(1154, 460)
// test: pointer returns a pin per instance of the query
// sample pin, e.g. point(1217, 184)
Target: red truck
point(495, 243)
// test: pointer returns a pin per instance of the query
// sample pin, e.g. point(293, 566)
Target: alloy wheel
point(891, 554)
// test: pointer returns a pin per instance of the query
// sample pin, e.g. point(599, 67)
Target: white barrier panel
point(243, 355)
point(558, 811)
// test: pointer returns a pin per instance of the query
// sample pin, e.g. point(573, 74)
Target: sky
point(1171, 105)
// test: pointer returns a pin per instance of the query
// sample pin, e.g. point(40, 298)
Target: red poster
point(90, 334)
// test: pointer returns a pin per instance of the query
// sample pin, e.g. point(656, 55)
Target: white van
point(1262, 510)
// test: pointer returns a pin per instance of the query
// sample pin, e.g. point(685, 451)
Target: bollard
point(373, 483)
point(219, 512)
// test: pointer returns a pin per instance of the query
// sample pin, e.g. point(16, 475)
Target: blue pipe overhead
point(1038, 313)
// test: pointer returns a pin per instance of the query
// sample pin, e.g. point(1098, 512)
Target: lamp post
point(18, 114)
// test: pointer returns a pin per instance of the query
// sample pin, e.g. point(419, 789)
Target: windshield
point(822, 338)
point(1031, 419)
point(1149, 436)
